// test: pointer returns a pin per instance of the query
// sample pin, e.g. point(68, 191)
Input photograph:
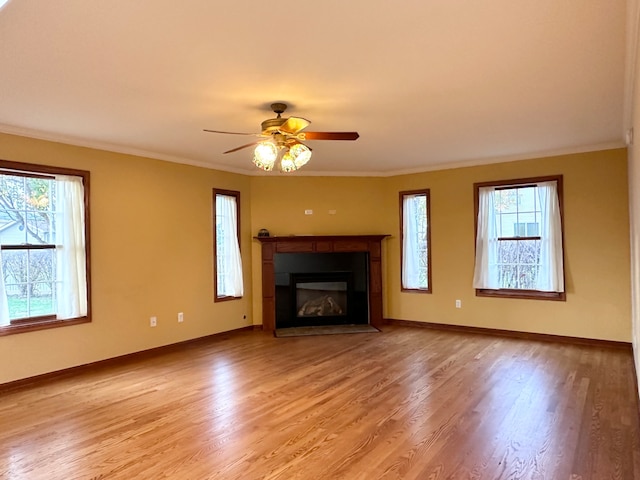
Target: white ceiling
point(426, 83)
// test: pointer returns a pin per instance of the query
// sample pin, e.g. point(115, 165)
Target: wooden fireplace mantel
point(321, 244)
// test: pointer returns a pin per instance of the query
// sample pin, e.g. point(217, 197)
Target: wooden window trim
point(426, 192)
point(30, 320)
point(521, 183)
point(230, 193)
point(522, 294)
point(23, 325)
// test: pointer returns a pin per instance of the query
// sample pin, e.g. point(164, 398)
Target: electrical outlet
point(153, 321)
point(458, 303)
point(180, 317)
point(308, 212)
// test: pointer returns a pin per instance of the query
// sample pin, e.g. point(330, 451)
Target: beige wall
point(151, 254)
point(278, 204)
point(596, 241)
point(151, 227)
point(596, 250)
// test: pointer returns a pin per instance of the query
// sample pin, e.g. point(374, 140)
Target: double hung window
point(519, 239)
point(43, 247)
point(228, 262)
point(415, 235)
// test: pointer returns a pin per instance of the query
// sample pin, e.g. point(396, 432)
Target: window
point(519, 239)
point(44, 244)
point(228, 282)
point(415, 241)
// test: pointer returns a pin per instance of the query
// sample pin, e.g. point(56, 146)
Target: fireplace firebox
point(314, 289)
point(322, 295)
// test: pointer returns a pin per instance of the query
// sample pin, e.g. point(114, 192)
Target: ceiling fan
point(282, 138)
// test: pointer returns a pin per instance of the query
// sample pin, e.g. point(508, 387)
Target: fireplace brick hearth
point(369, 245)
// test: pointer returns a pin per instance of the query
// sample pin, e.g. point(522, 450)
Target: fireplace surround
point(321, 280)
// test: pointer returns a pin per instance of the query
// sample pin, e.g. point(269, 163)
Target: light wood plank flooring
point(408, 403)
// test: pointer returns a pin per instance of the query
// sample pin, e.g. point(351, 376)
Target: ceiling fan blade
point(330, 136)
point(228, 133)
point(243, 146)
point(293, 125)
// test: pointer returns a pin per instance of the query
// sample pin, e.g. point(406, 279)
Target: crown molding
point(510, 158)
point(254, 172)
point(109, 147)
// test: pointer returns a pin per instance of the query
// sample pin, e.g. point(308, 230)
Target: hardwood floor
point(407, 403)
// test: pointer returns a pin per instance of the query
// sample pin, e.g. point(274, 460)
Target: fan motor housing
point(272, 124)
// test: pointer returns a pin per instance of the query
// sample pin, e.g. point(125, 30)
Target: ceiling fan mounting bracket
point(279, 108)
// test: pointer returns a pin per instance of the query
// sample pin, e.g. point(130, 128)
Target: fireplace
point(343, 274)
point(314, 289)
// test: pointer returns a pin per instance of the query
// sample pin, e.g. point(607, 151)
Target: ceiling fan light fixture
point(287, 164)
point(301, 154)
point(265, 155)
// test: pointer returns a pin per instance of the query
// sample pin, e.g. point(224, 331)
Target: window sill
point(522, 294)
point(25, 326)
point(415, 290)
point(225, 299)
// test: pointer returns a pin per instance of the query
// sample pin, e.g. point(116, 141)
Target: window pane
point(38, 226)
point(25, 210)
point(421, 240)
point(526, 199)
point(518, 263)
point(527, 276)
point(527, 217)
point(507, 201)
point(42, 299)
point(508, 224)
point(221, 246)
point(508, 252)
point(13, 193)
point(14, 267)
point(516, 208)
point(42, 265)
point(29, 277)
point(508, 275)
point(221, 265)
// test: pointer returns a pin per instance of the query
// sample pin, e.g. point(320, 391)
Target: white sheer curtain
point(70, 248)
point(4, 304)
point(486, 273)
point(412, 242)
point(229, 261)
point(550, 273)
